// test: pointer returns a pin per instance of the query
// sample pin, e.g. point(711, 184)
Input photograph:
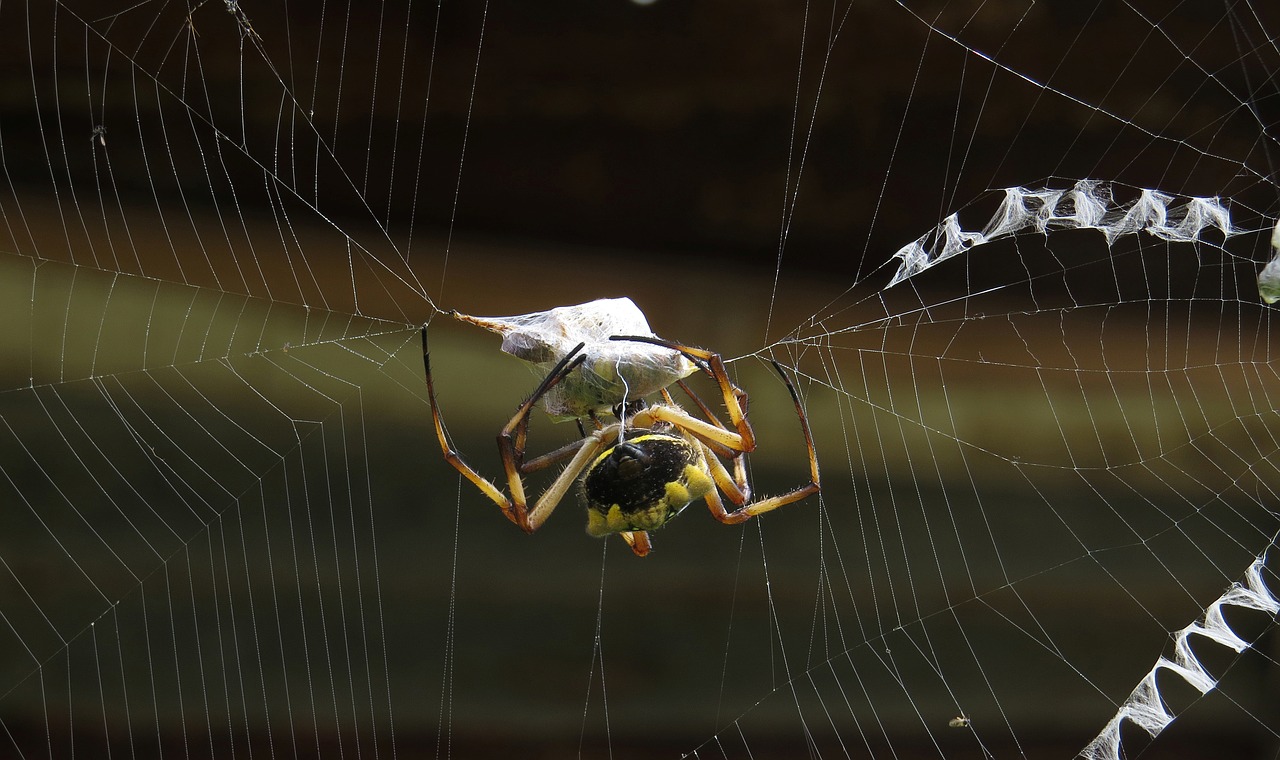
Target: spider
point(641, 470)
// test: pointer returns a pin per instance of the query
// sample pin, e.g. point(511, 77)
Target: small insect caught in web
point(100, 135)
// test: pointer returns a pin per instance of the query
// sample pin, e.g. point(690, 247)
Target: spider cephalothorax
point(642, 470)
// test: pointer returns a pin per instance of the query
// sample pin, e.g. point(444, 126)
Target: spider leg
point(745, 512)
point(511, 440)
point(700, 429)
point(814, 477)
point(552, 457)
point(702, 405)
point(588, 449)
point(735, 399)
point(739, 461)
point(520, 429)
point(511, 446)
point(734, 486)
point(451, 456)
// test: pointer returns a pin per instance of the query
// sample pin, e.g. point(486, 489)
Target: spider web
point(1010, 253)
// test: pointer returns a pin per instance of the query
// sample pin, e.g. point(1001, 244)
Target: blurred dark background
point(740, 134)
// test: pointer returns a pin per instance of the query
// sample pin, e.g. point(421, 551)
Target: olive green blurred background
point(311, 495)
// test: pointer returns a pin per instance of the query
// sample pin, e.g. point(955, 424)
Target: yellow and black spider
point(640, 471)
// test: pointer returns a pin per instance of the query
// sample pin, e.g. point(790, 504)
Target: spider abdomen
point(643, 481)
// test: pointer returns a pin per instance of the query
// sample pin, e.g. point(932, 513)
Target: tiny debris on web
point(613, 372)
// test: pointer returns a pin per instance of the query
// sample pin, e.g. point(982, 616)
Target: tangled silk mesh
point(614, 371)
point(1145, 707)
point(1089, 205)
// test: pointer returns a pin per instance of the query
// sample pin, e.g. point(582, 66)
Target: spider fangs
point(640, 471)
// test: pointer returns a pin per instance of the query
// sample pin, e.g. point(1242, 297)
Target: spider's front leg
point(451, 456)
point(735, 399)
point(511, 446)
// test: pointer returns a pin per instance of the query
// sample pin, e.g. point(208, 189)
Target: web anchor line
point(1145, 708)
